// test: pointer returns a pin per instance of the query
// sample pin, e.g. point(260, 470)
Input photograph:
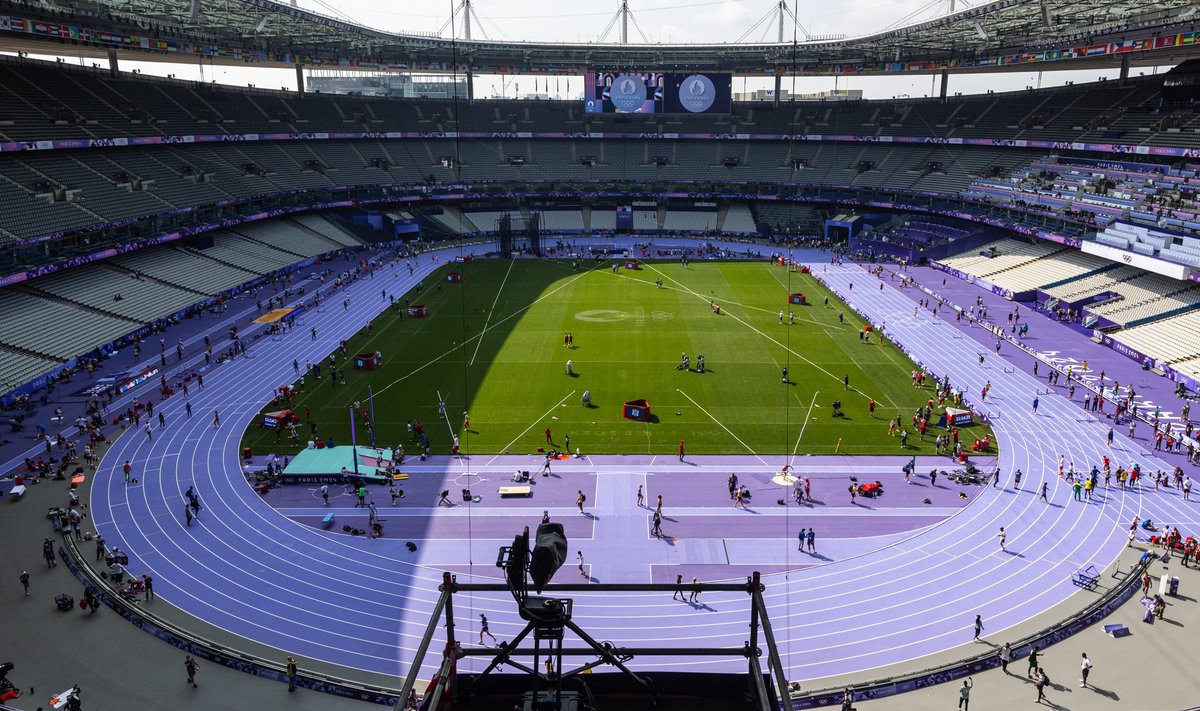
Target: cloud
point(680, 21)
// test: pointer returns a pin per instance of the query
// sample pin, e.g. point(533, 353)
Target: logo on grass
point(602, 316)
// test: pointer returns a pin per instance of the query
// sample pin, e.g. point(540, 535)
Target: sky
point(673, 21)
point(667, 21)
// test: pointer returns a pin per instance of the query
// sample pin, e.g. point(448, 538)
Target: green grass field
point(493, 346)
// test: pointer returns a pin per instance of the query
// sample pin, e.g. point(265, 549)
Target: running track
point(249, 569)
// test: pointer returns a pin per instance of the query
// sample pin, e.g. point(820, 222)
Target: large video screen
point(656, 92)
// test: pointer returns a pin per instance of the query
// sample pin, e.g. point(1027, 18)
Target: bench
point(327, 520)
point(1086, 578)
point(525, 490)
point(400, 476)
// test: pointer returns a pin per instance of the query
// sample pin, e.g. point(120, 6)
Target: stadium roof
point(1063, 33)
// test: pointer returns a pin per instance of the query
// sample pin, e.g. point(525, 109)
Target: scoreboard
point(651, 92)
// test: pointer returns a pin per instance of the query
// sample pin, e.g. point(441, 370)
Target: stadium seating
point(645, 220)
point(237, 251)
point(1078, 289)
point(738, 219)
point(1010, 254)
point(562, 220)
point(1173, 340)
point(784, 217)
point(25, 318)
point(185, 269)
point(88, 102)
point(18, 368)
point(488, 221)
point(326, 229)
point(690, 220)
point(1029, 276)
point(287, 236)
point(108, 288)
point(1188, 366)
point(603, 218)
point(1146, 297)
point(1151, 210)
point(451, 220)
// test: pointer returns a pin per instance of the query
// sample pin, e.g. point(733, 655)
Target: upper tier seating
point(86, 102)
point(1147, 194)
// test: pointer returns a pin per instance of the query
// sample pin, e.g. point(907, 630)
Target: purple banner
point(1114, 164)
point(1175, 376)
point(1125, 350)
point(997, 290)
point(970, 279)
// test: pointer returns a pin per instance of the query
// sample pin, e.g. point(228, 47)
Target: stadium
point(680, 388)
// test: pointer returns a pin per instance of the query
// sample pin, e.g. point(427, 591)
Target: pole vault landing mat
point(328, 461)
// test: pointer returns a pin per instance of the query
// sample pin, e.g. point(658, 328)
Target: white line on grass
point(531, 426)
point(513, 315)
point(761, 332)
point(806, 419)
point(495, 301)
point(775, 274)
point(726, 303)
point(721, 425)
